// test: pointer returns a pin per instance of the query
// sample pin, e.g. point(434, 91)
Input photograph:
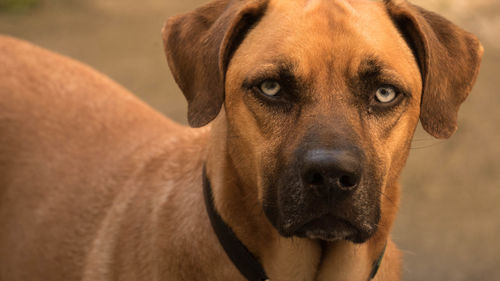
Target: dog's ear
point(199, 46)
point(448, 58)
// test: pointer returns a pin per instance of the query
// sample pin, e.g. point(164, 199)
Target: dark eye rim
point(386, 87)
point(272, 82)
point(257, 88)
point(282, 98)
point(400, 95)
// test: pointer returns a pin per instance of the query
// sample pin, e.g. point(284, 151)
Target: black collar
point(246, 262)
point(242, 258)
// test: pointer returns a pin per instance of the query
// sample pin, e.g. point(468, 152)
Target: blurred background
point(449, 222)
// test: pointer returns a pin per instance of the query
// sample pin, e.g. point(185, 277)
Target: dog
point(302, 115)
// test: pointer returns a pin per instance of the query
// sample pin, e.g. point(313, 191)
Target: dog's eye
point(270, 88)
point(385, 94)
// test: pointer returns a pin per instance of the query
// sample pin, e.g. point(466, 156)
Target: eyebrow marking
point(282, 70)
point(370, 68)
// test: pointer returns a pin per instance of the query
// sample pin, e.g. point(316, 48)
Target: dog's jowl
point(307, 109)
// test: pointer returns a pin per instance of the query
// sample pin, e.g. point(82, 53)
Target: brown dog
point(314, 104)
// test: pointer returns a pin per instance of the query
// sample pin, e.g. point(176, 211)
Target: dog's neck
point(282, 258)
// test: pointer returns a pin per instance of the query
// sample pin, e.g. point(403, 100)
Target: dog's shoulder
point(34, 77)
point(59, 114)
point(58, 96)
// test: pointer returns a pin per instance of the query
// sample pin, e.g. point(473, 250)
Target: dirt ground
point(449, 222)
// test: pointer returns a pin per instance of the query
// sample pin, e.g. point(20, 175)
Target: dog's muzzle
point(327, 194)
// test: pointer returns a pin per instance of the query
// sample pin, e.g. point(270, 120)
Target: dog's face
point(321, 100)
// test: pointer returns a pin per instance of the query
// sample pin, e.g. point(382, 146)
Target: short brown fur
point(94, 185)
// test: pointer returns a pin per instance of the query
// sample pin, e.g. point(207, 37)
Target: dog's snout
point(331, 170)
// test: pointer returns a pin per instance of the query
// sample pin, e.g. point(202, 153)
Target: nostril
point(347, 181)
point(315, 178)
point(331, 171)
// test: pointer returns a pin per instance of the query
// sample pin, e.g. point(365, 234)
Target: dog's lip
point(330, 227)
point(337, 227)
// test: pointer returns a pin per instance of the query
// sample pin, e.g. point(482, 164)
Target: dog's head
point(321, 99)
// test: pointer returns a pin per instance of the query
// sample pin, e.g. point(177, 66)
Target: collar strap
point(246, 262)
point(242, 258)
point(376, 263)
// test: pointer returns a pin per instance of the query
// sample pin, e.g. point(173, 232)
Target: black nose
point(332, 170)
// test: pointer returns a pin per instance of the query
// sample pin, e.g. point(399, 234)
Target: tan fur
point(95, 185)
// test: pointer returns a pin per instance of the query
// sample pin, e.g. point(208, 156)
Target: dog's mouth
point(324, 211)
point(303, 214)
point(329, 227)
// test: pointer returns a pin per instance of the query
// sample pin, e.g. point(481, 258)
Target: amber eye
point(385, 94)
point(270, 88)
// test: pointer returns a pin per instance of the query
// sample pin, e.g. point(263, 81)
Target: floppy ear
point(199, 46)
point(448, 57)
